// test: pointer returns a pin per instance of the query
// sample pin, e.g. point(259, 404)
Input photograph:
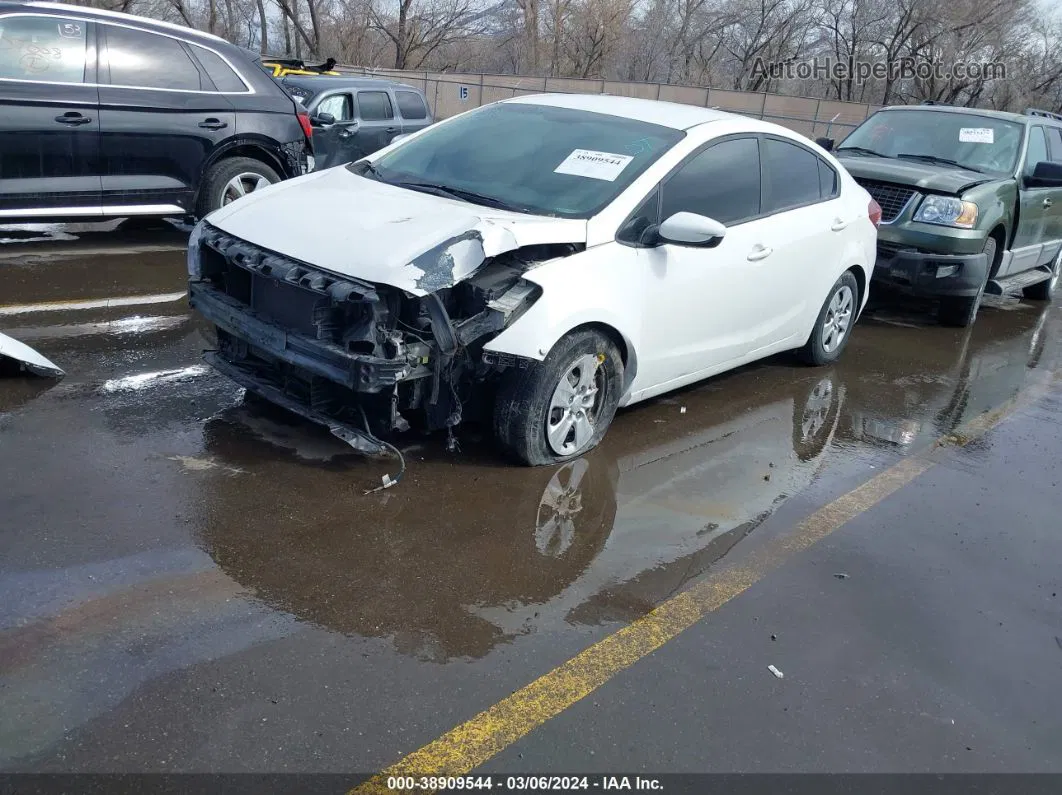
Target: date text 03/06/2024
point(521, 783)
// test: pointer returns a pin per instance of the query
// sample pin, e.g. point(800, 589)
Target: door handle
point(73, 118)
point(391, 129)
point(213, 124)
point(759, 252)
point(1048, 202)
point(838, 224)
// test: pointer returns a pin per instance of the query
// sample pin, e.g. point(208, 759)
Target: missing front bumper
point(358, 372)
point(358, 438)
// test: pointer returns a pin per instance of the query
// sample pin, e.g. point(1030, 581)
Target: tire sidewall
point(545, 381)
point(816, 351)
point(218, 175)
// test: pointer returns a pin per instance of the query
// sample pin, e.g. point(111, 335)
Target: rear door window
point(411, 105)
point(43, 49)
point(793, 175)
point(139, 59)
point(374, 106)
point(828, 187)
point(220, 73)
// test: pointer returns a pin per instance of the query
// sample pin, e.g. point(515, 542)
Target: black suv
point(107, 115)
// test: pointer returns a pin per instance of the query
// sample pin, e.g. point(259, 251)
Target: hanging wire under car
point(387, 480)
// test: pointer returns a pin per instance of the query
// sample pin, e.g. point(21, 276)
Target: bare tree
point(419, 28)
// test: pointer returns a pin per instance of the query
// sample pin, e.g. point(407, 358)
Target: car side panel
point(154, 143)
point(47, 164)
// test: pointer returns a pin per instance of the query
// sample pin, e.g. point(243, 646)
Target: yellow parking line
point(469, 745)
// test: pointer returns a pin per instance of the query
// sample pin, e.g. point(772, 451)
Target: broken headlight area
point(365, 359)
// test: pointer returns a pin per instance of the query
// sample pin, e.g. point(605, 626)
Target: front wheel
point(560, 408)
point(834, 324)
point(231, 179)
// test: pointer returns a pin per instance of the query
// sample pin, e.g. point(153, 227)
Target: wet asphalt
point(192, 581)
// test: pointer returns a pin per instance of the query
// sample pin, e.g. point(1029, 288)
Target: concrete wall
point(450, 93)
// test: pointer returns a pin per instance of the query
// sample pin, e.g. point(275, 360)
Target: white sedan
point(536, 263)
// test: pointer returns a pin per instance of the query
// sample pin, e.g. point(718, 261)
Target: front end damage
point(362, 358)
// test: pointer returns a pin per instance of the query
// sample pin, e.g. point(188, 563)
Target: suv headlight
point(947, 211)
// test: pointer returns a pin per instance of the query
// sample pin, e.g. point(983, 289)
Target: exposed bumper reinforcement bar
point(356, 437)
point(357, 372)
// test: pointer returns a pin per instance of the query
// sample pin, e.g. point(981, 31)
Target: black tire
point(211, 192)
point(522, 409)
point(1044, 290)
point(961, 312)
point(815, 350)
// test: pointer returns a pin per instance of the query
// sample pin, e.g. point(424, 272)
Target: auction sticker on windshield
point(595, 165)
point(976, 135)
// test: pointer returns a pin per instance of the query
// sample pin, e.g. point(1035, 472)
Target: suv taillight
point(307, 128)
point(875, 213)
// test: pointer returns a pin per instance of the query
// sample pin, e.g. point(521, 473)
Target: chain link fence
point(450, 93)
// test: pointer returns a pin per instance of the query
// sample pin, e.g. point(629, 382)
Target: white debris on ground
point(134, 383)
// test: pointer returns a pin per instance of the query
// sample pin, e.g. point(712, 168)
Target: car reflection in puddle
point(924, 389)
point(468, 553)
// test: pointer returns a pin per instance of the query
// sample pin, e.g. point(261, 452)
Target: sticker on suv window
point(70, 30)
point(594, 165)
point(977, 135)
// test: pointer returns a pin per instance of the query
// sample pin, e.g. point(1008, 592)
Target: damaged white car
point(537, 263)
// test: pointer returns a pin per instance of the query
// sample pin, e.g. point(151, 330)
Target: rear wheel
point(1043, 290)
point(961, 311)
point(834, 323)
point(231, 179)
point(560, 408)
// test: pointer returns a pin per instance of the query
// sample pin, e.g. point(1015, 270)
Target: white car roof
point(666, 114)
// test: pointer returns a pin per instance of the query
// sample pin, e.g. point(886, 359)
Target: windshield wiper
point(941, 160)
point(861, 150)
point(461, 195)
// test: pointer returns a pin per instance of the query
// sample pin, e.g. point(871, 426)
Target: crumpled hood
point(924, 176)
point(358, 227)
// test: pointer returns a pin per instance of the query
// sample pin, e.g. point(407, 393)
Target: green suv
point(971, 201)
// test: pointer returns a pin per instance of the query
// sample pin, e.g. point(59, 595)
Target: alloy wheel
point(838, 319)
point(242, 184)
point(575, 404)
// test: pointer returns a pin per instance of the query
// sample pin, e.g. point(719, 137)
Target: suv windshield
point(979, 143)
point(531, 158)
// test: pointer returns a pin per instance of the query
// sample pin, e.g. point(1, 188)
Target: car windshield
point(979, 143)
point(530, 158)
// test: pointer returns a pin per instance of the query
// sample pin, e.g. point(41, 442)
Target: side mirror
point(1045, 175)
point(690, 229)
point(322, 120)
point(825, 143)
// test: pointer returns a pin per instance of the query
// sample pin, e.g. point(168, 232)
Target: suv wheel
point(230, 179)
point(961, 311)
point(560, 408)
point(1042, 291)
